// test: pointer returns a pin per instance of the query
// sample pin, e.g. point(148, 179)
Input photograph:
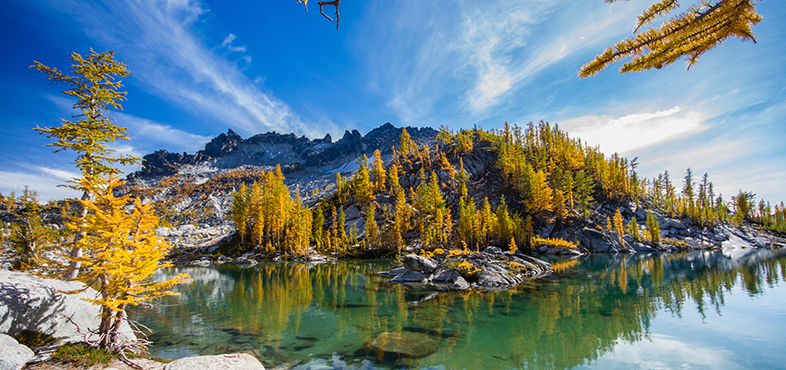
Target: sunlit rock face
point(34, 303)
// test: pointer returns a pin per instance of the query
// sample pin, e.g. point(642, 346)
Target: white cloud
point(62, 175)
point(476, 56)
point(157, 135)
point(44, 181)
point(168, 53)
point(227, 43)
point(626, 133)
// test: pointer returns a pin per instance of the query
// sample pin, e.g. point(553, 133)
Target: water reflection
point(288, 313)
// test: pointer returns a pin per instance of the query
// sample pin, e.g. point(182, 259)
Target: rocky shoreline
point(33, 303)
point(490, 270)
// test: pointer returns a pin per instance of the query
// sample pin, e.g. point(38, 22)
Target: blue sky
point(201, 67)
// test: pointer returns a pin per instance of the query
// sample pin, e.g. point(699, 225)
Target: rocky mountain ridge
point(229, 150)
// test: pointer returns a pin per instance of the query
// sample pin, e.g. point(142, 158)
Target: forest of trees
point(556, 178)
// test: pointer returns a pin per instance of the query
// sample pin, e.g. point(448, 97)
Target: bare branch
point(334, 3)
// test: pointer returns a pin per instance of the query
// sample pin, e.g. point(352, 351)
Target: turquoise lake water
point(697, 310)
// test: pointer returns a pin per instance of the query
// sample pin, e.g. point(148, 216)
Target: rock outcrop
point(491, 269)
point(34, 303)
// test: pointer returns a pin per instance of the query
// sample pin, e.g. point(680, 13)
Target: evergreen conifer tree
point(94, 83)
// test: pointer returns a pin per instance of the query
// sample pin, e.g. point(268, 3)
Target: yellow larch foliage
point(121, 251)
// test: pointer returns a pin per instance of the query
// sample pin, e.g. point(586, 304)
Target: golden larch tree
point(121, 252)
point(93, 82)
point(702, 27)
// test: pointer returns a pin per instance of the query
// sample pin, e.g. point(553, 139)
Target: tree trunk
point(76, 251)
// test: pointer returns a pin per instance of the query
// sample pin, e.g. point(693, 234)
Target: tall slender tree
point(93, 82)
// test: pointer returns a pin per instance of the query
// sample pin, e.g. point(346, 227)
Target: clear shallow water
point(698, 310)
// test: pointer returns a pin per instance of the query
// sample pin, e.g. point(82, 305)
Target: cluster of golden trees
point(556, 174)
point(702, 206)
point(553, 175)
point(266, 215)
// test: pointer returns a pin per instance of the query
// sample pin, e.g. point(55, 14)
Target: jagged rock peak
point(230, 150)
point(222, 144)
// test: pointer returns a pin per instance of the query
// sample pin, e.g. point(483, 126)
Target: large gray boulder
point(13, 356)
point(419, 263)
point(597, 241)
point(410, 277)
point(35, 303)
point(451, 279)
point(230, 361)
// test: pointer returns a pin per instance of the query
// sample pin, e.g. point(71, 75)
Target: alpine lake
point(692, 310)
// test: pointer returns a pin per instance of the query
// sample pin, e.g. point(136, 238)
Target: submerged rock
point(404, 344)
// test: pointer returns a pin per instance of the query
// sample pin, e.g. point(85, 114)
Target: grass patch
point(35, 338)
point(82, 355)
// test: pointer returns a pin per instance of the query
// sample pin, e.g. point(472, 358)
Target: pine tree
point(512, 248)
point(405, 143)
point(121, 251)
point(240, 210)
point(541, 199)
point(528, 233)
point(342, 220)
point(93, 82)
point(372, 229)
point(688, 192)
point(505, 226)
point(30, 239)
point(378, 172)
point(703, 27)
point(618, 227)
point(395, 186)
point(583, 190)
point(487, 221)
point(654, 228)
point(364, 191)
point(318, 228)
point(634, 229)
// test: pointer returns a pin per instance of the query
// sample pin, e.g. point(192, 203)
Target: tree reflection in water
point(285, 312)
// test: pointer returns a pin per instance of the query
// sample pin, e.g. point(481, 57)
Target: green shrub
point(82, 355)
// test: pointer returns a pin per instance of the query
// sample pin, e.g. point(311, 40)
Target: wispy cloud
point(227, 43)
point(62, 175)
point(632, 131)
point(473, 56)
point(167, 52)
point(44, 181)
point(146, 135)
point(155, 135)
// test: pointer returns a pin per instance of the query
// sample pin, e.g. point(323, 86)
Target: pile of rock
point(491, 269)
